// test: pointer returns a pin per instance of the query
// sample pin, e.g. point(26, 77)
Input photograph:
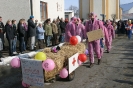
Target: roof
point(126, 7)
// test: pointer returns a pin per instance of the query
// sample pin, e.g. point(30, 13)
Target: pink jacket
point(111, 31)
point(93, 26)
point(80, 30)
point(70, 31)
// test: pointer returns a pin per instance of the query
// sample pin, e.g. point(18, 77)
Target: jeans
point(14, 44)
point(129, 34)
point(32, 42)
point(62, 37)
point(10, 42)
point(21, 44)
point(49, 37)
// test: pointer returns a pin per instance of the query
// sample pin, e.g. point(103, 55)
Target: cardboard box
point(95, 35)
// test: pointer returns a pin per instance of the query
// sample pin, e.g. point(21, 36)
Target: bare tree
point(75, 9)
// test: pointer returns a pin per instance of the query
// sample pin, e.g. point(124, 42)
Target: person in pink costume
point(91, 25)
point(70, 29)
point(80, 29)
point(111, 33)
point(105, 40)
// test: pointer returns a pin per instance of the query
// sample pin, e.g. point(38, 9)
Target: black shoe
point(0, 60)
point(91, 65)
point(107, 51)
point(99, 61)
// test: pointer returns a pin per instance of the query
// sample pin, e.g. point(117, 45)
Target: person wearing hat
point(31, 32)
point(70, 29)
point(111, 33)
point(91, 25)
point(129, 29)
point(40, 36)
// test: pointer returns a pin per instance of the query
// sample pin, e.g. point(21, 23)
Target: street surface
point(115, 71)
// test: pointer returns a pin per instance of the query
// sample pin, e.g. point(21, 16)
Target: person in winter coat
point(105, 40)
point(62, 26)
point(59, 29)
point(55, 33)
point(111, 33)
point(93, 24)
point(21, 32)
point(40, 36)
point(48, 32)
point(129, 29)
point(10, 36)
point(2, 31)
point(26, 34)
point(15, 38)
point(80, 29)
point(32, 32)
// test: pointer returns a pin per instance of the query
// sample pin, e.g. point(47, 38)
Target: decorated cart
point(46, 65)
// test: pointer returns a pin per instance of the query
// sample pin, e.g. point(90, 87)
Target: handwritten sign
point(95, 35)
point(73, 63)
point(32, 72)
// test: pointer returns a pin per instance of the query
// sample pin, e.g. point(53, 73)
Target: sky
point(68, 3)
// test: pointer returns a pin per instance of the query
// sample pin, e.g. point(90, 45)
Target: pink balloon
point(48, 65)
point(79, 62)
point(25, 85)
point(64, 73)
point(15, 62)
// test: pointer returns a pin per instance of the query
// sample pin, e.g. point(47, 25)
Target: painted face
point(74, 20)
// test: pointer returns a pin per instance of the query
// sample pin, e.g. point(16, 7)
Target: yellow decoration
point(40, 56)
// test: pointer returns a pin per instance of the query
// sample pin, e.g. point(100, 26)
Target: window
point(43, 11)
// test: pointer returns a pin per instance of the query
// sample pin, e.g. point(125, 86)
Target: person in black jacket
point(15, 38)
point(2, 31)
point(21, 33)
point(10, 36)
point(32, 32)
point(62, 26)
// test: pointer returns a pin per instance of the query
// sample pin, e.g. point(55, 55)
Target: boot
point(107, 51)
point(99, 61)
point(91, 65)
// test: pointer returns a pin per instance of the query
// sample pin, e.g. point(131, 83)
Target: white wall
point(112, 8)
point(52, 9)
point(98, 8)
point(85, 9)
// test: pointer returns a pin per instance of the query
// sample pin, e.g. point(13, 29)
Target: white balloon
point(79, 38)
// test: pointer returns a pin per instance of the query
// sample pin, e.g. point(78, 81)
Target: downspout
point(31, 7)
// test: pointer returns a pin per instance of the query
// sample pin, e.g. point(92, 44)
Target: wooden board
point(95, 35)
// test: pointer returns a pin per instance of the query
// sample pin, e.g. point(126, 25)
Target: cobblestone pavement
point(115, 71)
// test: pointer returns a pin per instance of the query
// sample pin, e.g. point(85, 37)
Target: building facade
point(40, 9)
point(43, 9)
point(69, 14)
point(109, 8)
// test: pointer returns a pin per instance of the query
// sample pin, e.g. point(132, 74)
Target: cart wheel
point(71, 76)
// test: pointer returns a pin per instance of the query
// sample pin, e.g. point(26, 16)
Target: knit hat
point(31, 17)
